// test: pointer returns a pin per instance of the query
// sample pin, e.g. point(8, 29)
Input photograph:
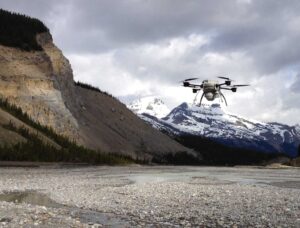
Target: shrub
point(93, 88)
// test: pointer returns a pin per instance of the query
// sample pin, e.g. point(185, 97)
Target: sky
point(136, 48)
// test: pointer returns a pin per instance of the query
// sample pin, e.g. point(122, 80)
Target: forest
point(215, 153)
point(37, 150)
point(19, 31)
point(93, 88)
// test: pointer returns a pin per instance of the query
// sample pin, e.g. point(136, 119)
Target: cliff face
point(41, 83)
point(31, 81)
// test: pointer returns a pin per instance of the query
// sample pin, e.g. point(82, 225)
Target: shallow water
point(85, 216)
point(29, 197)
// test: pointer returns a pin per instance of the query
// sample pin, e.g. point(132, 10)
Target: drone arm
point(194, 85)
point(225, 88)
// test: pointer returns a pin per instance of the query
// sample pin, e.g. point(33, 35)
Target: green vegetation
point(49, 132)
point(181, 158)
point(214, 153)
point(35, 149)
point(93, 88)
point(20, 31)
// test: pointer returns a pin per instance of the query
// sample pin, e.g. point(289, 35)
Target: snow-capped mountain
point(149, 105)
point(215, 123)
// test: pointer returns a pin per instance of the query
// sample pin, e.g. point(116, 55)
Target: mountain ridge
point(212, 122)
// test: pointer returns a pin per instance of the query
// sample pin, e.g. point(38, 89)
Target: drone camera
point(233, 89)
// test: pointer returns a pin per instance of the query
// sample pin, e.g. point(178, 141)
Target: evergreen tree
point(20, 31)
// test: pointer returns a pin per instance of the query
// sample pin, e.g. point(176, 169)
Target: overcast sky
point(135, 48)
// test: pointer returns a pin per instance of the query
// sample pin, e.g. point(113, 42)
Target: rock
point(5, 219)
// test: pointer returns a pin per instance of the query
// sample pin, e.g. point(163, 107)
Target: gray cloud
point(143, 43)
point(296, 85)
point(255, 27)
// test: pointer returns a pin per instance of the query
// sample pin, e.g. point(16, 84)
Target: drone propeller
point(239, 85)
point(189, 79)
point(228, 79)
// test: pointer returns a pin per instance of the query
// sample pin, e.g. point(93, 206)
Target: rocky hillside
point(41, 83)
point(212, 122)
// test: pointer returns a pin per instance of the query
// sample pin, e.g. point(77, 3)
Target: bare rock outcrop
point(30, 80)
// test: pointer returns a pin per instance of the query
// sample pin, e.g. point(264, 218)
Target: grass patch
point(93, 88)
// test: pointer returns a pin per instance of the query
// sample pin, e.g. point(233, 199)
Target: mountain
point(36, 77)
point(212, 122)
point(150, 105)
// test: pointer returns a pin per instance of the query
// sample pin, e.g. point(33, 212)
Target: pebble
point(5, 219)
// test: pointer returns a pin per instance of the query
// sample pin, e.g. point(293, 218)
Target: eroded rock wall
point(33, 81)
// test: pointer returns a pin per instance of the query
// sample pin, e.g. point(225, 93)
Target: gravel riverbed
point(149, 196)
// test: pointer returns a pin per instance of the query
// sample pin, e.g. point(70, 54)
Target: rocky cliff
point(34, 81)
point(41, 83)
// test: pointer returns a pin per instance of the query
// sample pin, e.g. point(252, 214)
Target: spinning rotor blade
point(228, 79)
point(189, 79)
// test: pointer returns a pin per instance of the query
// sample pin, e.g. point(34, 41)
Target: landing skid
point(200, 103)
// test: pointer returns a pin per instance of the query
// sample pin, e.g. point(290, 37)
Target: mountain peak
point(151, 105)
point(184, 105)
point(214, 122)
point(194, 110)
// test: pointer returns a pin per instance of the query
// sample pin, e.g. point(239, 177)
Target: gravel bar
point(149, 196)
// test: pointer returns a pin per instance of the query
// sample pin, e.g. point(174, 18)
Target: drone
point(212, 89)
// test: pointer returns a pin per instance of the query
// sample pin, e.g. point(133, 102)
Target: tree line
point(19, 31)
point(35, 149)
point(214, 153)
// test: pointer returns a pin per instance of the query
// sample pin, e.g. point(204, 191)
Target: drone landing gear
point(195, 99)
point(201, 100)
point(223, 97)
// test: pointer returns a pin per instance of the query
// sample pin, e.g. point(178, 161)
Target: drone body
point(211, 89)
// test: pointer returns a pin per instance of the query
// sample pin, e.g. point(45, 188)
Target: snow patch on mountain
point(214, 122)
point(150, 105)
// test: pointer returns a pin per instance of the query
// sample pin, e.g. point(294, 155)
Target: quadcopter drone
point(211, 88)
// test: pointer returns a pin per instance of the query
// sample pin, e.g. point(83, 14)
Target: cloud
point(139, 47)
point(295, 87)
